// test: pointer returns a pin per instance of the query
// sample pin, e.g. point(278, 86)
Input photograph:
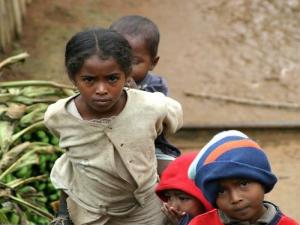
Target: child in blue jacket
point(234, 174)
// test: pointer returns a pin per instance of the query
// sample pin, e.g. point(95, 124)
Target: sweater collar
point(266, 218)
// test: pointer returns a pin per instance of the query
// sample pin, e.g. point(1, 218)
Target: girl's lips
point(102, 102)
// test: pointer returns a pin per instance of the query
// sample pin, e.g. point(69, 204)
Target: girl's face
point(142, 60)
point(100, 83)
point(241, 199)
point(184, 203)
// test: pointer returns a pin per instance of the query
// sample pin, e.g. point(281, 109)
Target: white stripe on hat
point(193, 167)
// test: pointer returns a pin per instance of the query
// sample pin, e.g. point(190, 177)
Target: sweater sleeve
point(174, 116)
point(51, 110)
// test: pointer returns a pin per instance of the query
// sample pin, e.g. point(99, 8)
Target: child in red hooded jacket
point(182, 198)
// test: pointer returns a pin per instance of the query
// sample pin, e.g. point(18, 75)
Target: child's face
point(241, 199)
point(183, 202)
point(142, 61)
point(100, 83)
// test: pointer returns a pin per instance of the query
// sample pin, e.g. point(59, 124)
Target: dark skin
point(180, 203)
point(241, 199)
point(162, 165)
point(142, 64)
point(100, 83)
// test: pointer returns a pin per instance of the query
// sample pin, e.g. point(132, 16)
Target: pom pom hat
point(230, 154)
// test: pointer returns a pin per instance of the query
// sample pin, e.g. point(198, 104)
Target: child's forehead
point(136, 38)
point(234, 180)
point(175, 192)
point(96, 58)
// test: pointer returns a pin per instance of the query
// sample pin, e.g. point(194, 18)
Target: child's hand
point(61, 220)
point(172, 214)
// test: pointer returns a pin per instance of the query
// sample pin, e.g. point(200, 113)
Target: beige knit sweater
point(112, 168)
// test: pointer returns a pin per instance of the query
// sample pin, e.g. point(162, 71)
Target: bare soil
point(237, 59)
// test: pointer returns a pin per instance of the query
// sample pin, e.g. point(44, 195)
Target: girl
point(108, 172)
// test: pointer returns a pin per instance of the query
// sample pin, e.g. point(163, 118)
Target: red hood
point(175, 176)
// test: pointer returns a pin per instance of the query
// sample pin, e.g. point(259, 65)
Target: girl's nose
point(101, 88)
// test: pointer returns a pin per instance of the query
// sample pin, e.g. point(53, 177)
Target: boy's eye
point(136, 61)
point(221, 191)
point(244, 183)
point(167, 196)
point(184, 198)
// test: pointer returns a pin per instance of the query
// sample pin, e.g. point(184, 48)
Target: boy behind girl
point(234, 174)
point(143, 36)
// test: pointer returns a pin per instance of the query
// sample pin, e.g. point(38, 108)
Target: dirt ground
point(227, 61)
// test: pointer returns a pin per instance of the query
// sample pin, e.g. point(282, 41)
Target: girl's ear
point(73, 82)
point(154, 62)
point(130, 82)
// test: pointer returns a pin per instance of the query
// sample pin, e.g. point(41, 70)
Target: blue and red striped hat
point(230, 154)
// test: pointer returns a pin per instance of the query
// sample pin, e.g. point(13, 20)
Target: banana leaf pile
point(27, 151)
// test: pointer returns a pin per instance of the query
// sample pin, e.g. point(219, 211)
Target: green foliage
point(28, 151)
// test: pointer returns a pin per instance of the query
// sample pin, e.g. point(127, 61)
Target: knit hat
point(230, 154)
point(175, 176)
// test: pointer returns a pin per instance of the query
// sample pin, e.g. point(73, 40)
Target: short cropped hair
point(104, 43)
point(134, 25)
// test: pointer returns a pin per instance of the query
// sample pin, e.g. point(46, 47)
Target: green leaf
point(32, 207)
point(15, 110)
point(6, 134)
point(21, 182)
point(32, 117)
point(3, 218)
point(30, 128)
point(12, 155)
point(34, 91)
point(28, 158)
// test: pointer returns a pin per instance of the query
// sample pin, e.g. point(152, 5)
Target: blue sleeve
point(154, 83)
point(185, 220)
point(157, 88)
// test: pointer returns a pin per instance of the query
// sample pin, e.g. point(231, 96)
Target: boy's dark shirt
point(185, 219)
point(274, 218)
point(269, 215)
point(154, 83)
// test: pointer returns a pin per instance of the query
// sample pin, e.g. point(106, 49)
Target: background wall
point(243, 50)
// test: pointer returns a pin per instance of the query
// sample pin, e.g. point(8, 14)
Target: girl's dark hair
point(135, 25)
point(101, 42)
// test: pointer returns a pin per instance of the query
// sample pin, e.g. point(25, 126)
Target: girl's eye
point(135, 61)
point(113, 78)
point(88, 79)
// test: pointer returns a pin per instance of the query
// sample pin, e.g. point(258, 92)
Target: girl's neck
point(88, 114)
